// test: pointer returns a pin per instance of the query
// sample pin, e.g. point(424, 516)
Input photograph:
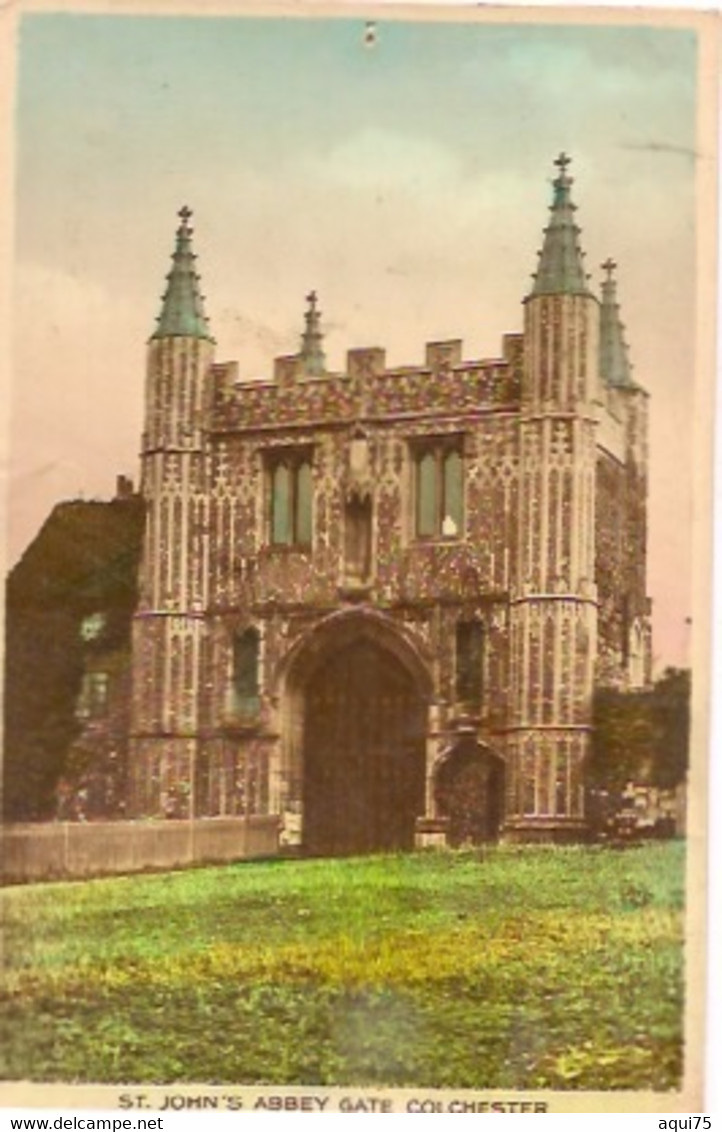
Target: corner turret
point(554, 611)
point(173, 577)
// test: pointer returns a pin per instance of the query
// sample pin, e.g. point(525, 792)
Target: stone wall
point(54, 850)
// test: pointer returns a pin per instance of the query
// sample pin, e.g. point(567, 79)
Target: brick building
point(376, 602)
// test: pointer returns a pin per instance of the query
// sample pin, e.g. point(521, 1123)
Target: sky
point(408, 183)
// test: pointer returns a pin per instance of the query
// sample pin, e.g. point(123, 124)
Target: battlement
point(444, 384)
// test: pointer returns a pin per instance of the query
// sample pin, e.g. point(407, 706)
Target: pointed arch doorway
point(469, 793)
point(362, 745)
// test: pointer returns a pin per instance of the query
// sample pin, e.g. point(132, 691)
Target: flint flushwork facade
point(376, 602)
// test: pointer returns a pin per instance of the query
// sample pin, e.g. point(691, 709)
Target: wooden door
point(470, 793)
point(364, 754)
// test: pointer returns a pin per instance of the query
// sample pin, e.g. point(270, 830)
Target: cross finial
point(563, 160)
point(610, 267)
point(312, 356)
point(370, 34)
point(185, 214)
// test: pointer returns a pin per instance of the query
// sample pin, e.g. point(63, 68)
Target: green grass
point(525, 968)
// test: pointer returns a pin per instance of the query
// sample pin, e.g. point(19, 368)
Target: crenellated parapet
point(365, 391)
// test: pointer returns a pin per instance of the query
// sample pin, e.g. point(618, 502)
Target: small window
point(291, 498)
point(246, 652)
point(92, 626)
point(635, 659)
point(470, 662)
point(93, 699)
point(439, 489)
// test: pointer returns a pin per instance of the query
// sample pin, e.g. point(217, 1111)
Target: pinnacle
point(312, 356)
point(560, 270)
point(614, 366)
point(182, 314)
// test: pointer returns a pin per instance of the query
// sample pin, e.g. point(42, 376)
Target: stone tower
point(168, 624)
point(554, 601)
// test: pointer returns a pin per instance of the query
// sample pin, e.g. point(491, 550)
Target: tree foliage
point(672, 696)
point(642, 736)
point(84, 560)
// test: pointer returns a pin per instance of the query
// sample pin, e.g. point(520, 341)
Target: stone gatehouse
point(375, 602)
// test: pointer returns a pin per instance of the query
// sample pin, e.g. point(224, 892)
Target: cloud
point(379, 159)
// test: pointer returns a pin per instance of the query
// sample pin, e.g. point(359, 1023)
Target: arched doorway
point(469, 789)
point(363, 751)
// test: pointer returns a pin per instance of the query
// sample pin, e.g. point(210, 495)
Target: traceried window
point(246, 653)
point(469, 661)
point(291, 498)
point(439, 488)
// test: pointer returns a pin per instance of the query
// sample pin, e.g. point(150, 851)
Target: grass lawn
point(527, 967)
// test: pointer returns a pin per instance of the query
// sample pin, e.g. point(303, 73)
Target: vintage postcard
point(358, 562)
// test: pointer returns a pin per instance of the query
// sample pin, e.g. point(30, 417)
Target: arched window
point(93, 699)
point(281, 526)
point(246, 654)
point(453, 503)
point(439, 488)
point(291, 498)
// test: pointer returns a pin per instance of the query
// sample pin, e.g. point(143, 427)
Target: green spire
point(561, 261)
point(182, 314)
point(313, 359)
point(614, 365)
